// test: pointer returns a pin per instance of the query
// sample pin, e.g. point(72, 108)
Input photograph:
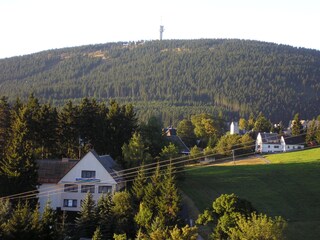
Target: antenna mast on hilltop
point(161, 31)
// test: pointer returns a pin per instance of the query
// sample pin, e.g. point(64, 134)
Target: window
point(268, 146)
point(71, 188)
point(88, 174)
point(69, 202)
point(87, 188)
point(276, 146)
point(105, 189)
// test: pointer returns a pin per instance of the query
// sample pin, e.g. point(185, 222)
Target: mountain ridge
point(232, 76)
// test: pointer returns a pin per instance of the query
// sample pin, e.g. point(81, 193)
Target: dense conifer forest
point(173, 79)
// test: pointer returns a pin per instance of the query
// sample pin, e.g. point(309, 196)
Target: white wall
point(49, 191)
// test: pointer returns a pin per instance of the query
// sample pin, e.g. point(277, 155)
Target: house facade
point(268, 143)
point(273, 143)
point(66, 182)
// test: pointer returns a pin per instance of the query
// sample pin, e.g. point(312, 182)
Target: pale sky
point(29, 26)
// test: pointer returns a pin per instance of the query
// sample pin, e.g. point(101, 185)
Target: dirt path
point(252, 160)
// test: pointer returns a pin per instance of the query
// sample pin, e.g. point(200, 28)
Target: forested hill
point(175, 77)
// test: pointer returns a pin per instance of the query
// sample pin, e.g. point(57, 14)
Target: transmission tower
point(161, 31)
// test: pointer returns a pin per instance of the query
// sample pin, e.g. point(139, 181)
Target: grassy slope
point(289, 187)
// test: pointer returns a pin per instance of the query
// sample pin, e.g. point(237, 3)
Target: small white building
point(66, 182)
point(273, 142)
point(234, 128)
point(268, 142)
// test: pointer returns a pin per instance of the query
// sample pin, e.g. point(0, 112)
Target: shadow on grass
point(288, 190)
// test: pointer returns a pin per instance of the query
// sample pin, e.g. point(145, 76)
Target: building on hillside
point(273, 143)
point(268, 142)
point(171, 136)
point(292, 143)
point(234, 128)
point(66, 182)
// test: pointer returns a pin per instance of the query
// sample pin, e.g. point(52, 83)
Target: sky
point(29, 26)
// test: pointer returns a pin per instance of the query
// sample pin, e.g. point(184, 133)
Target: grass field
point(288, 187)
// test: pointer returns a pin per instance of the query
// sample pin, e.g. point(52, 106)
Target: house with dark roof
point(66, 182)
point(292, 143)
point(171, 136)
point(268, 142)
point(273, 143)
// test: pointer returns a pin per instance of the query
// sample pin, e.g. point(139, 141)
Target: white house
point(66, 182)
point(268, 142)
point(273, 142)
point(292, 143)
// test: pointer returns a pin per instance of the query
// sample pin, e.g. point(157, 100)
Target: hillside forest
point(174, 79)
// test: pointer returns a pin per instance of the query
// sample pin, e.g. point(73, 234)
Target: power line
point(131, 175)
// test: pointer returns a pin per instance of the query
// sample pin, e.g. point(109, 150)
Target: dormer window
point(88, 174)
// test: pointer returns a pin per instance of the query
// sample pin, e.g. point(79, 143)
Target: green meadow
point(289, 187)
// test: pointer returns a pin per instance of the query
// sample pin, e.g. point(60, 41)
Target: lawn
point(289, 187)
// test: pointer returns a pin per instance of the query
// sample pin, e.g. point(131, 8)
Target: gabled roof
point(272, 138)
point(52, 170)
point(179, 143)
point(294, 140)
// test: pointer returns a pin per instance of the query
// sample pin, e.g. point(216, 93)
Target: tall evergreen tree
point(86, 222)
point(48, 223)
point(48, 125)
point(5, 212)
point(104, 215)
point(19, 225)
point(311, 133)
point(19, 167)
point(5, 122)
point(135, 153)
point(122, 124)
point(68, 131)
point(138, 185)
point(169, 199)
point(152, 135)
point(123, 213)
point(296, 125)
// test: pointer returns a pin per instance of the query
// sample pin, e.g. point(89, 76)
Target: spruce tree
point(296, 125)
point(19, 226)
point(48, 123)
point(123, 213)
point(139, 184)
point(86, 222)
point(168, 202)
point(122, 123)
point(311, 133)
point(5, 212)
point(5, 122)
point(104, 215)
point(19, 168)
point(68, 131)
point(135, 152)
point(48, 223)
point(151, 133)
